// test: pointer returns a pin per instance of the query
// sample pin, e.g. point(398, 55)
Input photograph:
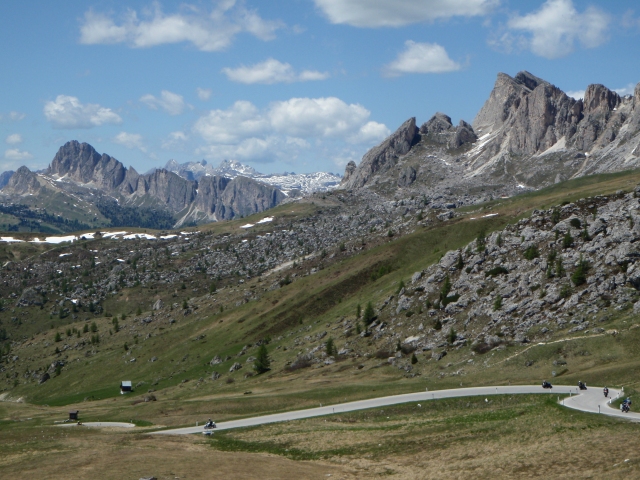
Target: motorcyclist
point(606, 392)
point(209, 423)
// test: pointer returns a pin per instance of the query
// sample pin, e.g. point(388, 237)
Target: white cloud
point(14, 139)
point(130, 140)
point(628, 90)
point(17, 155)
point(204, 94)
point(174, 140)
point(396, 13)
point(68, 112)
point(556, 27)
point(286, 129)
point(271, 71)
point(12, 116)
point(170, 102)
point(207, 30)
point(576, 94)
point(421, 58)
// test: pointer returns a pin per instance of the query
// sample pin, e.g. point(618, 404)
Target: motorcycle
point(606, 393)
point(582, 385)
point(546, 384)
point(210, 425)
point(624, 407)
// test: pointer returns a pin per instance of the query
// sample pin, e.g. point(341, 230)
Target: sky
point(287, 85)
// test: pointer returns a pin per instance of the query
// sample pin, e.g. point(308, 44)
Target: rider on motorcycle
point(606, 392)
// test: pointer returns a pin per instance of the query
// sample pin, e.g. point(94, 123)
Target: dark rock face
point(407, 176)
point(81, 163)
point(381, 158)
point(22, 182)
point(169, 188)
point(348, 171)
point(244, 196)
point(4, 177)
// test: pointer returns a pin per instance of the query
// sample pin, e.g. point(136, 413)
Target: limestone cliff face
point(22, 182)
point(81, 163)
point(170, 189)
point(210, 190)
point(244, 196)
point(381, 158)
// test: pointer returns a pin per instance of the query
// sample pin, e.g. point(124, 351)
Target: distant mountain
point(287, 182)
point(528, 134)
point(86, 182)
point(4, 177)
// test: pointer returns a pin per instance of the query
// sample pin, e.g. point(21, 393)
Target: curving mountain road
point(591, 400)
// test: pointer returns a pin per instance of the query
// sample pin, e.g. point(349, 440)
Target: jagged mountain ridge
point(528, 134)
point(287, 182)
point(80, 171)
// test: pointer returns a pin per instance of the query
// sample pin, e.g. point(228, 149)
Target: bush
point(555, 216)
point(531, 252)
point(459, 262)
point(304, 361)
point(85, 329)
point(481, 348)
point(400, 287)
point(94, 327)
point(575, 223)
point(481, 242)
point(358, 311)
point(383, 354)
point(58, 337)
point(565, 291)
point(383, 270)
point(438, 324)
point(446, 288)
point(414, 359)
point(496, 271)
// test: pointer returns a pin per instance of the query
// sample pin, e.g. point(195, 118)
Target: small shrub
point(85, 329)
point(575, 223)
point(94, 327)
point(414, 359)
point(229, 380)
point(369, 314)
point(497, 303)
point(452, 336)
point(330, 347)
point(579, 276)
point(400, 287)
point(500, 270)
point(481, 242)
point(555, 216)
point(531, 252)
point(58, 337)
point(567, 241)
point(499, 240)
point(459, 262)
point(565, 291)
point(358, 311)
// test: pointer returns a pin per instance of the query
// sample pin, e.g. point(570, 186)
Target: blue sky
point(295, 85)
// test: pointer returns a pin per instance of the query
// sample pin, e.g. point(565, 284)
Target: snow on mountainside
point(287, 181)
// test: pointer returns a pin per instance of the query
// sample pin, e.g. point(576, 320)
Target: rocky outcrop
point(244, 196)
point(381, 158)
point(22, 182)
point(209, 196)
point(170, 189)
point(440, 130)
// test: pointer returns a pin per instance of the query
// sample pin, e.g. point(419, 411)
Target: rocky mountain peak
point(22, 182)
point(599, 98)
point(381, 158)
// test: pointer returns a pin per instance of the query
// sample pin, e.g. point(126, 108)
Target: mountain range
point(293, 184)
point(527, 135)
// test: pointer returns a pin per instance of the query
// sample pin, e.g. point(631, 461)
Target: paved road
point(592, 400)
point(99, 424)
point(383, 402)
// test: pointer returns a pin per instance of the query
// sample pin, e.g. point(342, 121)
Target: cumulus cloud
point(14, 154)
point(14, 139)
point(175, 139)
point(271, 71)
point(396, 13)
point(577, 94)
point(557, 26)
point(130, 140)
point(12, 116)
point(207, 30)
point(421, 58)
point(68, 112)
point(170, 102)
point(204, 94)
point(286, 129)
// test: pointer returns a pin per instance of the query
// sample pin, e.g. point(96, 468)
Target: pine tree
point(262, 363)
point(369, 314)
